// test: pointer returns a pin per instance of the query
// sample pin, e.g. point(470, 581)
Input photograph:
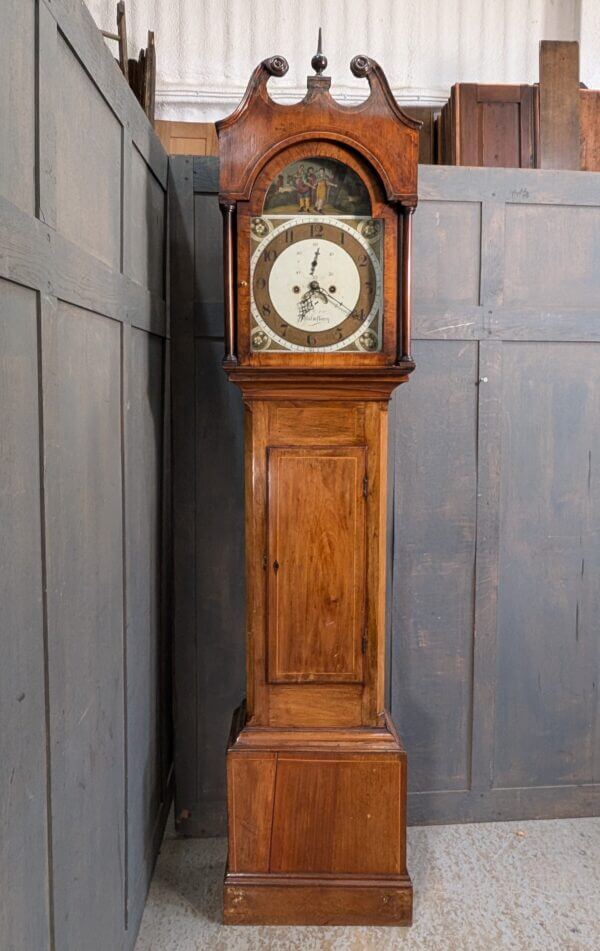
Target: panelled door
point(316, 564)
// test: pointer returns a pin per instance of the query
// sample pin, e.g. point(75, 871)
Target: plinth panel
point(338, 814)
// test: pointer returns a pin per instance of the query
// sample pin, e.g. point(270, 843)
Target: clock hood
point(377, 129)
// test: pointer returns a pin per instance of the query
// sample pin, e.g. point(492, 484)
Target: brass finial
point(319, 61)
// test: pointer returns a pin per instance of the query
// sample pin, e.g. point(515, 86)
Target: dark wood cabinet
point(488, 125)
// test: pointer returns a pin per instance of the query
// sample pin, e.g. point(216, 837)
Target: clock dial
point(316, 283)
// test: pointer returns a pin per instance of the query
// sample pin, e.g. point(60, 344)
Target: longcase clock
point(317, 201)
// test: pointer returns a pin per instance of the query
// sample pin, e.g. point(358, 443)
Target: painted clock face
point(316, 283)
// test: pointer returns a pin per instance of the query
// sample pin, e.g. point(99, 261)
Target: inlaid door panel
point(316, 564)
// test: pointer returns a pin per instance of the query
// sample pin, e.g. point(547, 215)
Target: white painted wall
point(206, 49)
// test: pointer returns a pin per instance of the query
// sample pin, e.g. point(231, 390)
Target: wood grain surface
point(559, 121)
point(316, 564)
point(316, 812)
point(254, 132)
point(489, 125)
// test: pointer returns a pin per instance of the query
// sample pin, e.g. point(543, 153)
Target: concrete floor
point(518, 885)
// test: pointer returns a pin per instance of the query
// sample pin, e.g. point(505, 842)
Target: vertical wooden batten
point(45, 116)
point(559, 94)
point(183, 394)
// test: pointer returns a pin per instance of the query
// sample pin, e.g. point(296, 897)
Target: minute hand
point(338, 302)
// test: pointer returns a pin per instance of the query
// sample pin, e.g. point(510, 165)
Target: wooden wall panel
point(188, 138)
point(86, 744)
point(500, 135)
point(506, 318)
point(88, 162)
point(549, 565)
point(208, 282)
point(428, 144)
point(219, 575)
point(209, 584)
point(434, 560)
point(24, 910)
point(145, 694)
point(82, 427)
point(533, 710)
point(447, 242)
point(552, 256)
point(17, 105)
point(148, 234)
point(181, 283)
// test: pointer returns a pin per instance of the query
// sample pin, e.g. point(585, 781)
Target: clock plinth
point(316, 200)
point(317, 826)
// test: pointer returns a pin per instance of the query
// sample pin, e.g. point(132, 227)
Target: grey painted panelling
point(78, 27)
point(208, 282)
point(86, 727)
point(549, 571)
point(143, 491)
point(208, 483)
point(24, 910)
point(17, 105)
point(447, 241)
point(434, 559)
point(147, 221)
point(82, 483)
point(181, 249)
point(88, 163)
point(464, 666)
point(35, 255)
point(552, 256)
point(220, 568)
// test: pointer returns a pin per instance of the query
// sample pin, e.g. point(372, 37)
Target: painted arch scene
point(317, 186)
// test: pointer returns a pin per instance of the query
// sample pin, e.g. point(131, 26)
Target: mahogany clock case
point(316, 773)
